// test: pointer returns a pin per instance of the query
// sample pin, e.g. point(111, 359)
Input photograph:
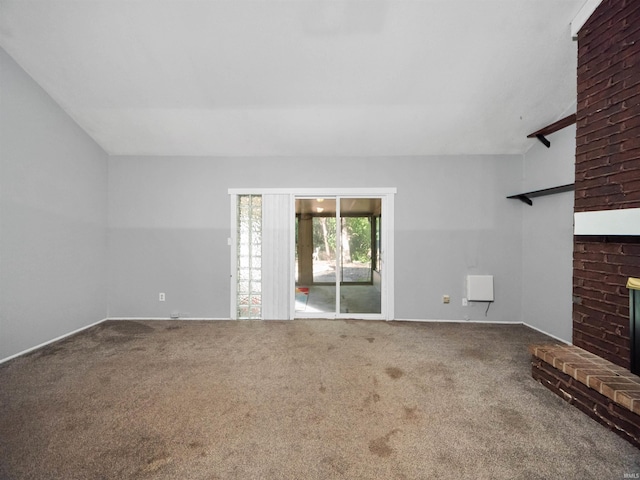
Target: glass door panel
point(360, 286)
point(316, 260)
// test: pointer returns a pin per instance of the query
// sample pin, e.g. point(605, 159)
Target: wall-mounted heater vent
point(480, 288)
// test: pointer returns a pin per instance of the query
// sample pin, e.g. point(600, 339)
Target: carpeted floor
point(310, 399)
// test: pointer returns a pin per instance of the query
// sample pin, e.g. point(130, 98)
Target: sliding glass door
point(311, 253)
point(338, 267)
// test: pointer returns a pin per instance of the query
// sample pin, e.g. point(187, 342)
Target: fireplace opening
point(633, 284)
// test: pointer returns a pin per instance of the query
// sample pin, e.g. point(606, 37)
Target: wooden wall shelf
point(554, 127)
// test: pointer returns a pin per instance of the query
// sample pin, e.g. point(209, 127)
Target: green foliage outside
point(358, 231)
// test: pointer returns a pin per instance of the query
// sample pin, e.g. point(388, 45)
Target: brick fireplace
point(593, 373)
point(607, 175)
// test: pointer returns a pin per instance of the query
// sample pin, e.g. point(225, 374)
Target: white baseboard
point(61, 337)
point(483, 321)
point(547, 334)
point(139, 319)
point(434, 320)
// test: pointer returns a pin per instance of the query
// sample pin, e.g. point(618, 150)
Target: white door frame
point(387, 242)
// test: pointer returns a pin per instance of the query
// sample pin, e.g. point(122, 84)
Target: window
point(249, 257)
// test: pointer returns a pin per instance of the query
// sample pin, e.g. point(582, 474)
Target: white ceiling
point(301, 77)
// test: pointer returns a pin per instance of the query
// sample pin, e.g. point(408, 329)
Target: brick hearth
point(603, 390)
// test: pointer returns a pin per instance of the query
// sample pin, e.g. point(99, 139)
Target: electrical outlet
point(465, 302)
point(161, 297)
point(446, 299)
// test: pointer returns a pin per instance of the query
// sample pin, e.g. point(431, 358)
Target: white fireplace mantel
point(625, 221)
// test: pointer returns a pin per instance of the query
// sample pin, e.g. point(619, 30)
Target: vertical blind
point(277, 288)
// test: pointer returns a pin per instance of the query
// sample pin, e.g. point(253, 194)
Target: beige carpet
point(308, 399)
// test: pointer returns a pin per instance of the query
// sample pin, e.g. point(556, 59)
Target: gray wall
point(547, 240)
point(52, 218)
point(169, 221)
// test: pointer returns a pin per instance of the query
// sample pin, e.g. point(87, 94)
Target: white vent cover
point(480, 288)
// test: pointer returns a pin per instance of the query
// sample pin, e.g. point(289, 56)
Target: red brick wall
point(607, 174)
